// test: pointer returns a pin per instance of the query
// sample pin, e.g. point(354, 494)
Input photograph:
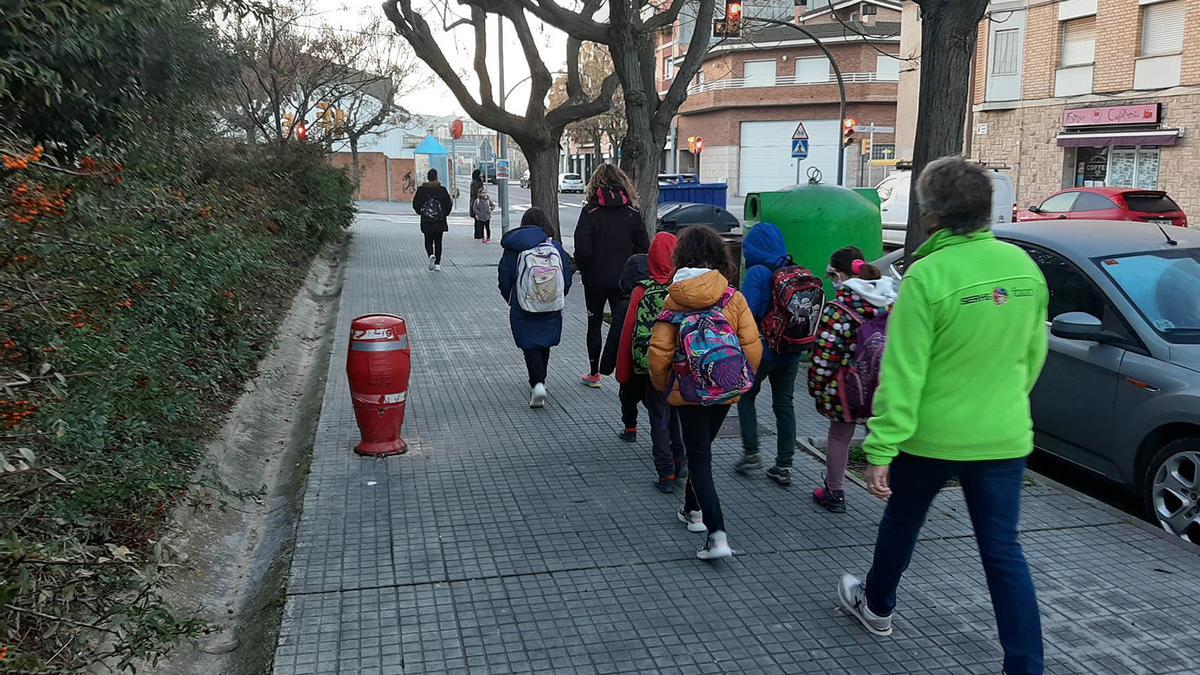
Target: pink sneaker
point(592, 381)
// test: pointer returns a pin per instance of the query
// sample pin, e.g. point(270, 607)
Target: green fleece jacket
point(966, 341)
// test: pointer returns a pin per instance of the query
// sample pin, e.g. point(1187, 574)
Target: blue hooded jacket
point(765, 251)
point(530, 330)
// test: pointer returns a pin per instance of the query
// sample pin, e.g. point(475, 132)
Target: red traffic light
point(733, 11)
point(848, 125)
point(302, 132)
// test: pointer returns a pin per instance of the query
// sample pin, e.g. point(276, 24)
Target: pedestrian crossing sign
point(800, 148)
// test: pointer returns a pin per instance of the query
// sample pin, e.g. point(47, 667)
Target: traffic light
point(848, 125)
point(692, 144)
point(302, 132)
point(731, 24)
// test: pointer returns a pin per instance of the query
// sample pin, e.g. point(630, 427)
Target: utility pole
point(502, 183)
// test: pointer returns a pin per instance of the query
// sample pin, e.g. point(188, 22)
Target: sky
point(458, 46)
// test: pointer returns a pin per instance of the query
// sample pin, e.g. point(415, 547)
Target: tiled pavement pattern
point(512, 540)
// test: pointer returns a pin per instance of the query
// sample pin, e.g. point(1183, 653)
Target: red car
point(1149, 206)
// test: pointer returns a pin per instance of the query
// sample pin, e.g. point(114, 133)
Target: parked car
point(895, 194)
point(675, 216)
point(676, 178)
point(525, 179)
point(1149, 206)
point(570, 182)
point(1120, 392)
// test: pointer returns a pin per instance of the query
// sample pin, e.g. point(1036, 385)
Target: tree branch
point(572, 111)
point(697, 48)
point(665, 18)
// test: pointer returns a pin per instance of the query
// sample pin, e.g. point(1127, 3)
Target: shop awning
point(1101, 139)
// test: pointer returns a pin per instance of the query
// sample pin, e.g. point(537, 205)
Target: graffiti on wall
point(410, 184)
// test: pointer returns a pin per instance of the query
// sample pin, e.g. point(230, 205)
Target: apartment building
point(1091, 93)
point(752, 92)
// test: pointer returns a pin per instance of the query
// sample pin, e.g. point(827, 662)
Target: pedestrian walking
point(844, 372)
point(966, 342)
point(788, 297)
point(637, 269)
point(633, 365)
point(534, 279)
point(703, 351)
point(432, 202)
point(481, 208)
point(610, 229)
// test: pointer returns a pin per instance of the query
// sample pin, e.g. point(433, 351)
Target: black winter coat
point(609, 231)
point(433, 190)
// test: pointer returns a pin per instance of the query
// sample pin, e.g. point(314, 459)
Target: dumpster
point(696, 193)
point(818, 219)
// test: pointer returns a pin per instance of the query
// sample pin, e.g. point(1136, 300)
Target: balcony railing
point(787, 81)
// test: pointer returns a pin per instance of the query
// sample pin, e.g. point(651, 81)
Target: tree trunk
point(543, 178)
point(639, 158)
point(355, 170)
point(949, 31)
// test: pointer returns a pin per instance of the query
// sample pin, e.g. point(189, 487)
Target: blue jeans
point(993, 494)
point(781, 372)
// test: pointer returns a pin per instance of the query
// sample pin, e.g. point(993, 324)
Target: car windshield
point(1150, 202)
point(571, 176)
point(1162, 286)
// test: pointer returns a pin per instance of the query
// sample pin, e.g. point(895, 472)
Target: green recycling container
point(818, 219)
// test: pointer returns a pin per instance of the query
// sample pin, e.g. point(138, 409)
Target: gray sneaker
point(780, 474)
point(852, 595)
point(748, 463)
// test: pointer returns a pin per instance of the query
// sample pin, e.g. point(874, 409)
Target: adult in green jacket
point(967, 339)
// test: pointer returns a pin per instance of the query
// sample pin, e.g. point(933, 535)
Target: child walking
point(862, 295)
point(705, 321)
point(481, 210)
point(534, 279)
point(633, 367)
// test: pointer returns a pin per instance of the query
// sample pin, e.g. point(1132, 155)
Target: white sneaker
point(432, 264)
point(537, 396)
point(715, 548)
point(853, 597)
point(693, 520)
point(437, 268)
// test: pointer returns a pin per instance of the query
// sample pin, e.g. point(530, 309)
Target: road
point(569, 206)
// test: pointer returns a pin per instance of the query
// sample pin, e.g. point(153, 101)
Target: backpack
point(483, 209)
point(857, 382)
point(790, 325)
point(540, 278)
point(431, 209)
point(709, 366)
point(646, 313)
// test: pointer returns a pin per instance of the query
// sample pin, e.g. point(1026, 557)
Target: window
point(1162, 28)
point(1079, 42)
point(1070, 290)
point(668, 68)
point(883, 151)
point(887, 68)
point(1161, 286)
point(1151, 203)
point(1006, 52)
point(759, 73)
point(812, 70)
point(1133, 167)
point(1090, 201)
point(1059, 203)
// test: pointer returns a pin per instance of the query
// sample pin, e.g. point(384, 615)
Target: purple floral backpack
point(857, 382)
point(710, 366)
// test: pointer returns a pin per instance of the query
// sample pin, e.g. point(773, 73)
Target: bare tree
point(949, 32)
point(630, 34)
point(539, 131)
point(595, 66)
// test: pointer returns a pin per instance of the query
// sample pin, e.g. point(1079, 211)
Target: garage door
point(765, 156)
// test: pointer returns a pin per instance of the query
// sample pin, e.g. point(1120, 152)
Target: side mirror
point(1077, 326)
point(1034, 209)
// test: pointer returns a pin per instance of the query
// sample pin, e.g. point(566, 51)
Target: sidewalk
point(513, 540)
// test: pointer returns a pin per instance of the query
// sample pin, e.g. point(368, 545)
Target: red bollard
point(377, 365)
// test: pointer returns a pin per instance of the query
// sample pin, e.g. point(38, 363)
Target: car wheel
point(1173, 488)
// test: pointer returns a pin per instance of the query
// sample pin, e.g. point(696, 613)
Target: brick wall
point(1043, 44)
point(1118, 45)
point(374, 173)
point(981, 60)
point(1191, 46)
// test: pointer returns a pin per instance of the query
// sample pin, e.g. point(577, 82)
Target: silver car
point(1120, 393)
point(570, 182)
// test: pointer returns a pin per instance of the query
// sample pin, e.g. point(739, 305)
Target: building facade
point(1090, 93)
point(753, 92)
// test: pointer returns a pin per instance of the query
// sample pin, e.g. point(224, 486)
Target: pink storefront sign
point(1117, 114)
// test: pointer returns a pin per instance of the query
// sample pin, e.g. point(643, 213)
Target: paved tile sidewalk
point(512, 540)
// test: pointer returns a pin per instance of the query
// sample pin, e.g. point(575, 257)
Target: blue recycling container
point(695, 193)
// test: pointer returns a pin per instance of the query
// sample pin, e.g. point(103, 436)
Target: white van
point(894, 194)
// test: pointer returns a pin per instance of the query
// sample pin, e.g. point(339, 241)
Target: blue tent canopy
point(431, 146)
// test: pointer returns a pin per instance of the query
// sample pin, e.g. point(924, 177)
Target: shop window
point(1117, 167)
